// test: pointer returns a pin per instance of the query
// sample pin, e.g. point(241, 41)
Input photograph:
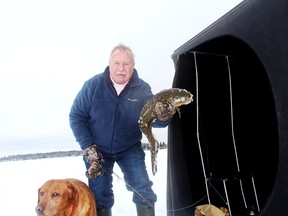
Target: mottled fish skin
point(175, 97)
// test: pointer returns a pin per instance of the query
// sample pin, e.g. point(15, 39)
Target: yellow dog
point(65, 197)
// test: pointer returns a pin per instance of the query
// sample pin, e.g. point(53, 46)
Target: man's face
point(121, 66)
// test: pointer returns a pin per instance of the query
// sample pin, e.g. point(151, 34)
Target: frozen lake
point(20, 181)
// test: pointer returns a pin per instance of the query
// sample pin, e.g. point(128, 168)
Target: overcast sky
point(49, 48)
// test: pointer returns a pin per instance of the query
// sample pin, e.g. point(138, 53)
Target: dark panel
point(254, 37)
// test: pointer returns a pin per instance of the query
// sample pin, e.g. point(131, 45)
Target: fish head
point(178, 97)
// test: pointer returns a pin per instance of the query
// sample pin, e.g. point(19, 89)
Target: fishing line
point(186, 207)
point(134, 190)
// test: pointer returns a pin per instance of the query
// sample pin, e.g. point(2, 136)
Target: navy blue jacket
point(99, 116)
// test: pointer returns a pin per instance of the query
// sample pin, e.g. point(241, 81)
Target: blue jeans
point(132, 164)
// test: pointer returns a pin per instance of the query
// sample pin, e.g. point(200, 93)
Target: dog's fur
point(64, 197)
point(210, 210)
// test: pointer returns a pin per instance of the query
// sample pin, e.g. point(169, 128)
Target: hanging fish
point(173, 98)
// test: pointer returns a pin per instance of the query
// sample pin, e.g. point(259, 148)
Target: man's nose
point(121, 66)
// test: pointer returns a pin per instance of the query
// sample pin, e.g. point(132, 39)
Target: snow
point(20, 181)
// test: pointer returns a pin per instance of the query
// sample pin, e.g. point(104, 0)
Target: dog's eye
point(55, 194)
point(41, 193)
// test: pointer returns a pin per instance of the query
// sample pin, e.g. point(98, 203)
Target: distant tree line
point(146, 146)
point(56, 154)
point(35, 156)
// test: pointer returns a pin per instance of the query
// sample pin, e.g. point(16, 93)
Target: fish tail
point(154, 152)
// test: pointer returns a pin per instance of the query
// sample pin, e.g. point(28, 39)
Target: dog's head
point(56, 197)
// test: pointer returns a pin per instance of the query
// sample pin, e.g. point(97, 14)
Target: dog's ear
point(72, 191)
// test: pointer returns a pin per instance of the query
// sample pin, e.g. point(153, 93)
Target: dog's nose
point(39, 208)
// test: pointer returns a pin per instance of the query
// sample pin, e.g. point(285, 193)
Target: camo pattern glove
point(94, 157)
point(164, 111)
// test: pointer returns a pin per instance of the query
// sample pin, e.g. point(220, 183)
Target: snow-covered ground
point(20, 181)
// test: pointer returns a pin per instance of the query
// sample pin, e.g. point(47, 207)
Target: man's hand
point(95, 159)
point(164, 111)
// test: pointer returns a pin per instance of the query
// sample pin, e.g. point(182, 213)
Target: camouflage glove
point(164, 111)
point(95, 159)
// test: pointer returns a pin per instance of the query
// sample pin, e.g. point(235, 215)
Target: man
point(104, 120)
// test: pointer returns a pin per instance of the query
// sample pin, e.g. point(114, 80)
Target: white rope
point(197, 123)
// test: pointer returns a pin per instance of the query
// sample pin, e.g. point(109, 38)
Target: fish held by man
point(170, 98)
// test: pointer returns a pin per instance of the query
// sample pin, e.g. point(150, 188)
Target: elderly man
point(104, 120)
